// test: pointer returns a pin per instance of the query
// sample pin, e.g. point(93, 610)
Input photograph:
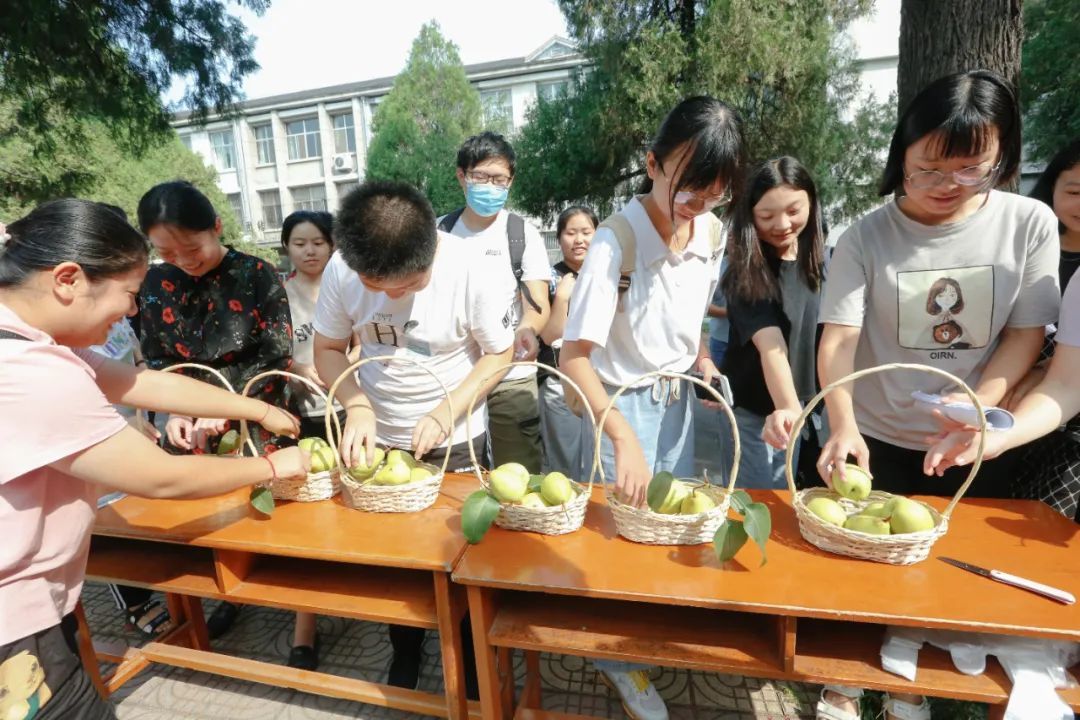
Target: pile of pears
point(512, 483)
point(395, 467)
point(322, 455)
point(896, 516)
point(685, 498)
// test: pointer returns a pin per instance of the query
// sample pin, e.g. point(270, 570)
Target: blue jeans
point(761, 466)
point(717, 350)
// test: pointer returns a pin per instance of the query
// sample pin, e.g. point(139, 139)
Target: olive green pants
point(514, 423)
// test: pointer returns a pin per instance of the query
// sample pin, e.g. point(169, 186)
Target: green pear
point(533, 500)
point(362, 471)
point(854, 485)
point(909, 516)
point(309, 444)
point(828, 510)
point(696, 502)
point(867, 524)
point(395, 456)
point(516, 468)
point(676, 494)
point(322, 458)
point(418, 474)
point(508, 485)
point(393, 473)
point(879, 509)
point(229, 442)
point(555, 488)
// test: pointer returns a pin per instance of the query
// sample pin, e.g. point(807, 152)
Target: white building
point(304, 150)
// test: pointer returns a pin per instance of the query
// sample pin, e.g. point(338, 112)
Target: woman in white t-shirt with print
point(613, 337)
point(958, 139)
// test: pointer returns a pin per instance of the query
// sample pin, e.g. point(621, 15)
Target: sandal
point(901, 710)
point(148, 619)
point(825, 710)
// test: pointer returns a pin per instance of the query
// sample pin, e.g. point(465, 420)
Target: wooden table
point(807, 615)
point(322, 558)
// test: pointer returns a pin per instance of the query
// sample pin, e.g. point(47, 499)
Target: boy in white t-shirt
point(412, 292)
point(517, 266)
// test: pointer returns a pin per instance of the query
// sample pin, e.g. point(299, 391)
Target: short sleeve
point(749, 317)
point(1040, 294)
point(62, 410)
point(843, 300)
point(596, 292)
point(534, 262)
point(331, 318)
point(1068, 330)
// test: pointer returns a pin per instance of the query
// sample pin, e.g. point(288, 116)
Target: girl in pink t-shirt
point(68, 271)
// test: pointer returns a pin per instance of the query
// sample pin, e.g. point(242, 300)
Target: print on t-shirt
point(385, 333)
point(951, 308)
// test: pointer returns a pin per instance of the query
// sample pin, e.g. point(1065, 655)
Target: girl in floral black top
point(209, 304)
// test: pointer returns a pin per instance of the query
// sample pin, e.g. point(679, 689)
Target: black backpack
point(515, 235)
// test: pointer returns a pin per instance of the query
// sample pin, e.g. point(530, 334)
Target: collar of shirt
point(653, 250)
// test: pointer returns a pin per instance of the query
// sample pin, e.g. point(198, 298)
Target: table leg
point(506, 680)
point(531, 693)
point(197, 632)
point(450, 610)
point(482, 611)
point(995, 712)
point(87, 654)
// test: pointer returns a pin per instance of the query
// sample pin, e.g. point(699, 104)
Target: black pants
point(407, 641)
point(65, 691)
point(900, 470)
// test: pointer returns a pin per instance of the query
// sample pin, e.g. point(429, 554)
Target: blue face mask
point(485, 200)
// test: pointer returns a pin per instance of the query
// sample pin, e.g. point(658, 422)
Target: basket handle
point(598, 466)
point(476, 396)
point(796, 429)
point(217, 375)
point(332, 422)
point(249, 443)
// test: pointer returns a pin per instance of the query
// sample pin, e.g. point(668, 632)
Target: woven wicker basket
point(645, 526)
point(901, 549)
point(224, 382)
point(316, 486)
point(554, 520)
point(366, 495)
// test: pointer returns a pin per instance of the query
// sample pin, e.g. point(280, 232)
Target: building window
point(186, 140)
point(303, 139)
point(552, 90)
point(498, 109)
point(344, 188)
point(221, 143)
point(271, 208)
point(344, 136)
point(264, 143)
point(312, 197)
point(237, 206)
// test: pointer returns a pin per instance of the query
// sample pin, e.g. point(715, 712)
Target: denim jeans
point(560, 430)
point(761, 466)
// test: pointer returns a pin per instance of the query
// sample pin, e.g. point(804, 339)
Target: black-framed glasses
point(969, 177)
point(482, 178)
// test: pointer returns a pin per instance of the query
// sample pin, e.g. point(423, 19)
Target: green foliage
point(113, 59)
point(262, 500)
point(428, 113)
point(783, 65)
point(1051, 83)
point(477, 515)
point(756, 525)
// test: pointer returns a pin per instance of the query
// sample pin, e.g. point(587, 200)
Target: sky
point(303, 44)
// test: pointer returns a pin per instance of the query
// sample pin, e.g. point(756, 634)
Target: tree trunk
point(939, 37)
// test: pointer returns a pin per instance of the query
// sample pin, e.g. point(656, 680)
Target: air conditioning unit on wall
point(344, 163)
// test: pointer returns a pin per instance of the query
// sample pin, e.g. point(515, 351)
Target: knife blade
point(1023, 583)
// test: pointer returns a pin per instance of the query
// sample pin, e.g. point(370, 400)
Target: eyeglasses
point(699, 204)
point(969, 176)
point(482, 178)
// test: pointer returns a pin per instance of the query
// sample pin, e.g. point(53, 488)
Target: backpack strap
point(515, 236)
point(450, 220)
point(624, 234)
point(8, 335)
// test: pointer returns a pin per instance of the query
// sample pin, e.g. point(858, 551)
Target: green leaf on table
point(477, 514)
point(658, 490)
point(534, 482)
point(758, 525)
point(262, 500)
point(740, 499)
point(729, 538)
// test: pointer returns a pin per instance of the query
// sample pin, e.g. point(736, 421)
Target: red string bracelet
point(265, 413)
point(273, 470)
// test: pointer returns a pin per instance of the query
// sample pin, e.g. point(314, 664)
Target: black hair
point(715, 134)
point(324, 221)
point(386, 229)
point(966, 110)
point(70, 230)
point(1066, 159)
point(116, 209)
point(565, 215)
point(485, 146)
point(751, 271)
point(177, 203)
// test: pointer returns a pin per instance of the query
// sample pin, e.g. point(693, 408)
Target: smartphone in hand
point(719, 383)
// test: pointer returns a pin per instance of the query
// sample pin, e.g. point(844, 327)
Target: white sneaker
point(637, 693)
